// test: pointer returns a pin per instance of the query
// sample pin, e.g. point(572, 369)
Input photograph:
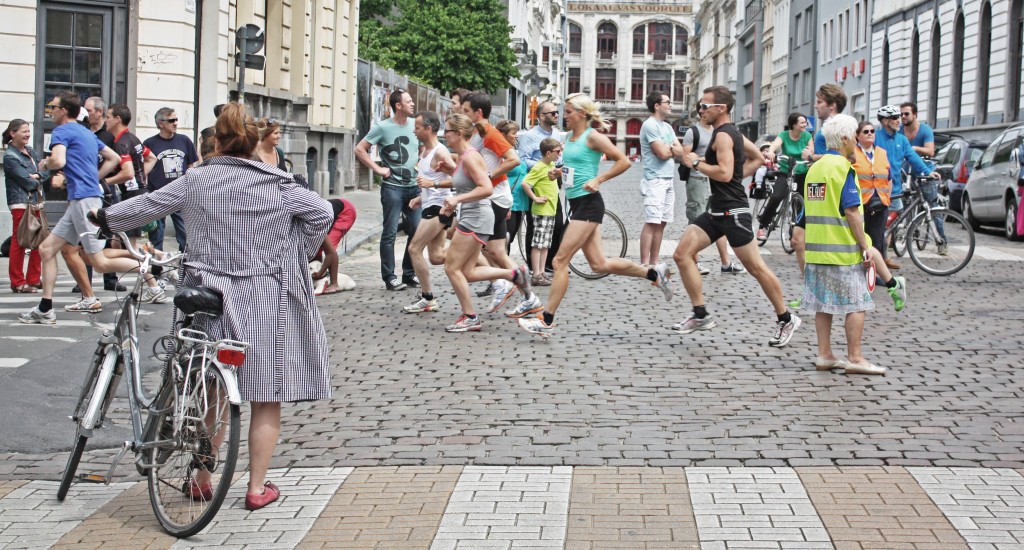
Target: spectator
point(24, 183)
point(174, 154)
point(268, 151)
point(344, 217)
point(529, 152)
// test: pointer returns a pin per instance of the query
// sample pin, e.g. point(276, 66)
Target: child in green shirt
point(543, 191)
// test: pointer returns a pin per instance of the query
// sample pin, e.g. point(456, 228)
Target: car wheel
point(968, 212)
point(1011, 220)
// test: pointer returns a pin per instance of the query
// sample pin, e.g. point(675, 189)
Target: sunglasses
point(171, 120)
point(906, 114)
point(551, 113)
point(867, 131)
point(705, 106)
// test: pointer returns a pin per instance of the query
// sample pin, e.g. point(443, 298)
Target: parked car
point(990, 197)
point(955, 161)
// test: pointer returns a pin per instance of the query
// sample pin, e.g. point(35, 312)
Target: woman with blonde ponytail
point(582, 183)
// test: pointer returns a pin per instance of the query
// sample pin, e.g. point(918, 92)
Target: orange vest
point(873, 176)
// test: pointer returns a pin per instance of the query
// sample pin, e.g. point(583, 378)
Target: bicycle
point(614, 240)
point(193, 424)
point(921, 224)
point(789, 211)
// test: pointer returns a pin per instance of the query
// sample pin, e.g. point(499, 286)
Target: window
point(809, 24)
point(796, 30)
point(636, 86)
point(607, 41)
point(824, 42)
point(795, 91)
point(73, 57)
point(808, 86)
point(681, 37)
point(659, 40)
point(989, 154)
point(856, 25)
point(633, 126)
point(546, 54)
point(679, 86)
point(639, 40)
point(1015, 53)
point(856, 104)
point(575, 39)
point(311, 164)
point(659, 80)
point(574, 81)
point(957, 71)
point(984, 64)
point(332, 169)
point(915, 60)
point(604, 84)
point(1005, 146)
point(841, 38)
point(933, 74)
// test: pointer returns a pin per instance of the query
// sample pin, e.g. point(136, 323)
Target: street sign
point(257, 62)
point(249, 39)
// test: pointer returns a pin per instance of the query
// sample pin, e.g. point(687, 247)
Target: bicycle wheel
point(97, 393)
point(959, 243)
point(759, 205)
point(614, 242)
point(205, 446)
point(898, 242)
point(793, 209)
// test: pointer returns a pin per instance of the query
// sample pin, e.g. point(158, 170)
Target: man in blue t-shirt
point(174, 154)
point(398, 149)
point(920, 135)
point(73, 150)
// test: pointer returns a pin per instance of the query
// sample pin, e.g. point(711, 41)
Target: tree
point(444, 44)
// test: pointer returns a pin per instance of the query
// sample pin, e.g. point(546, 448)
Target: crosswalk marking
point(530, 507)
point(12, 362)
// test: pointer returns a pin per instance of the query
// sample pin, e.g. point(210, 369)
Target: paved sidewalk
point(560, 507)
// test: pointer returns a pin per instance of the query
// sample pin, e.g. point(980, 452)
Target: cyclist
point(582, 154)
point(899, 151)
point(262, 275)
point(790, 143)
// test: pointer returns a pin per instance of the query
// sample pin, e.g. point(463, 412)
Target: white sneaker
point(784, 332)
point(502, 290)
point(423, 305)
point(34, 316)
point(703, 270)
point(150, 296)
point(526, 307)
point(693, 324)
point(86, 305)
point(664, 282)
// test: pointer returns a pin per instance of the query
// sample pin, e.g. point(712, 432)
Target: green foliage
point(444, 44)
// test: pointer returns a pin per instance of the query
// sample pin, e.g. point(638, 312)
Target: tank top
point(726, 195)
point(584, 162)
point(476, 216)
point(432, 197)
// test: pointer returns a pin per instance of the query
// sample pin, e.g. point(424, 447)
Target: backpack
point(684, 170)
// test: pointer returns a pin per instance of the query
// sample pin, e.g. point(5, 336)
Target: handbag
point(33, 230)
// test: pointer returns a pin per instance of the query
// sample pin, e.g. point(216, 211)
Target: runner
point(729, 215)
point(476, 219)
point(582, 155)
point(435, 186)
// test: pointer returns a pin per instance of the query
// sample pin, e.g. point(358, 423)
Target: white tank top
point(432, 197)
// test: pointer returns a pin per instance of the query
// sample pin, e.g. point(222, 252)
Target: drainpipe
point(195, 80)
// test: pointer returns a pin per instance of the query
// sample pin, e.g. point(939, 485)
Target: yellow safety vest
point(873, 175)
point(828, 237)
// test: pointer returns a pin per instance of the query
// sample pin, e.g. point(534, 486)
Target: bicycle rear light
point(230, 356)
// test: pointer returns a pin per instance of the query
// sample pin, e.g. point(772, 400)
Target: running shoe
point(423, 305)
point(486, 291)
point(150, 296)
point(502, 292)
point(86, 305)
point(899, 293)
point(733, 269)
point(784, 332)
point(693, 324)
point(943, 249)
point(522, 280)
point(34, 316)
point(394, 284)
point(535, 325)
point(795, 304)
point(664, 282)
point(465, 324)
point(702, 269)
point(762, 233)
point(526, 307)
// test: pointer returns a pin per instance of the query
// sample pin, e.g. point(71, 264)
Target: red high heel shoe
point(255, 501)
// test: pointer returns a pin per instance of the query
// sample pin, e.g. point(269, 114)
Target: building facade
point(960, 61)
point(844, 52)
point(618, 52)
point(802, 63)
point(537, 38)
point(715, 47)
point(182, 55)
point(750, 53)
point(775, 66)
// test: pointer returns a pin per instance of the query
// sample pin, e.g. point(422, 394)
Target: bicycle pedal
point(92, 478)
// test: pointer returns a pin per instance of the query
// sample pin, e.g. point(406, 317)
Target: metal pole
point(241, 72)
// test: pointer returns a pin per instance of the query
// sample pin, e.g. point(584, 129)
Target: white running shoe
point(693, 324)
point(502, 290)
point(664, 281)
point(784, 332)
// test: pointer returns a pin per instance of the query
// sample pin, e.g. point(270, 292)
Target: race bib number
point(567, 177)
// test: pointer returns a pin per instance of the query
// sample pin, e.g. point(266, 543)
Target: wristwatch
point(435, 184)
point(695, 163)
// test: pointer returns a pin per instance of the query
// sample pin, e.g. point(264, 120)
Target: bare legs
point(264, 428)
point(854, 332)
point(460, 265)
point(430, 236)
point(650, 242)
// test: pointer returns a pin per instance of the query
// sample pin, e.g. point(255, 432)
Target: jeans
point(930, 191)
point(395, 202)
point(157, 235)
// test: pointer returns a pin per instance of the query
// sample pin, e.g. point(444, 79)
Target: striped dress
point(251, 232)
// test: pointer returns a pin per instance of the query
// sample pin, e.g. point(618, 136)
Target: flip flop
point(326, 291)
point(24, 289)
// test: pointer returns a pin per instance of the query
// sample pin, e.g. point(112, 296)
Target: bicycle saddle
point(201, 299)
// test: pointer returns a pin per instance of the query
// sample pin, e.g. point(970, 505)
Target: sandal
point(255, 501)
point(24, 289)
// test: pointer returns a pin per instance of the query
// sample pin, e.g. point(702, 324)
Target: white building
point(618, 52)
point(776, 65)
point(182, 55)
point(715, 47)
point(537, 38)
point(960, 61)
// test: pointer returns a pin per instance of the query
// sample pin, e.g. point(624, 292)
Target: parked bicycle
point(789, 211)
point(614, 241)
point(187, 443)
point(940, 241)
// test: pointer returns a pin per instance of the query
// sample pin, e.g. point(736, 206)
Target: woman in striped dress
point(252, 230)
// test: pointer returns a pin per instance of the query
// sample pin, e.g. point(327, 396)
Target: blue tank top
point(583, 160)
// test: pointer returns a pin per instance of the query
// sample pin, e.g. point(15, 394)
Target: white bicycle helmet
point(888, 111)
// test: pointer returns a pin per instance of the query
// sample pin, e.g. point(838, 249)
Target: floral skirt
point(836, 289)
